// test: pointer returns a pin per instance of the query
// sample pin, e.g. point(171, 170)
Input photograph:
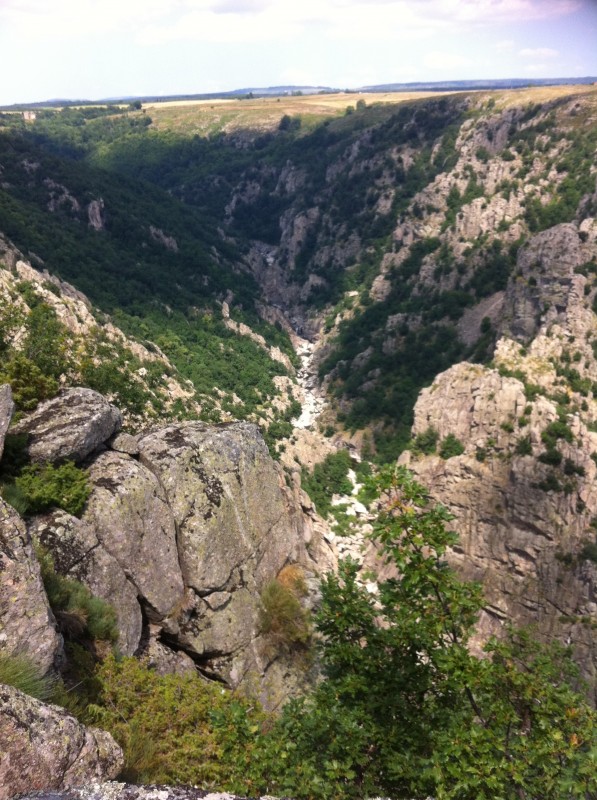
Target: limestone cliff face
point(523, 489)
point(181, 533)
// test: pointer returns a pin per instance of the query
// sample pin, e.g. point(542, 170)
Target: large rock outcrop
point(521, 533)
point(70, 426)
point(79, 554)
point(27, 626)
point(45, 748)
point(181, 534)
point(523, 489)
point(237, 527)
point(546, 278)
point(130, 515)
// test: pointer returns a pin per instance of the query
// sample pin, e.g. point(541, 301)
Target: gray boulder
point(228, 502)
point(78, 554)
point(27, 626)
point(237, 527)
point(540, 290)
point(129, 513)
point(70, 426)
point(7, 408)
point(43, 747)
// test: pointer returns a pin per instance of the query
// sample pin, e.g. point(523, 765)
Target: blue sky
point(88, 49)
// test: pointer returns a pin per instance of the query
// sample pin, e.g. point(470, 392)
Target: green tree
point(406, 710)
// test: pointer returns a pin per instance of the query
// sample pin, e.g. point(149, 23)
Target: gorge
point(199, 321)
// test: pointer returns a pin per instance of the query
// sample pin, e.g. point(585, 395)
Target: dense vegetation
point(156, 266)
point(40, 355)
point(405, 710)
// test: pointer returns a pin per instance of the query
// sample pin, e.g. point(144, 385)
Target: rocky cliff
point(515, 459)
point(183, 528)
point(455, 236)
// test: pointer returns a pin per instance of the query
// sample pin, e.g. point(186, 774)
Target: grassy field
point(205, 117)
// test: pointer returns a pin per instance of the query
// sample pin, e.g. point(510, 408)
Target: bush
point(554, 431)
point(328, 478)
point(282, 618)
point(16, 498)
point(425, 443)
point(589, 552)
point(551, 456)
point(450, 447)
point(177, 729)
point(524, 447)
point(64, 486)
point(29, 385)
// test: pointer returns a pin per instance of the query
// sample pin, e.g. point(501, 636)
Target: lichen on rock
point(45, 748)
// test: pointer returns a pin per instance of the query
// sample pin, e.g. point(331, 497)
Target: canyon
point(412, 284)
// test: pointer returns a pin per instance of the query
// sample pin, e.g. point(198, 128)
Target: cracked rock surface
point(180, 535)
point(70, 426)
point(26, 622)
point(7, 407)
point(526, 522)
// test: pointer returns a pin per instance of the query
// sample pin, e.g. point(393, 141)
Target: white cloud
point(206, 25)
point(261, 20)
point(65, 19)
point(538, 52)
point(237, 6)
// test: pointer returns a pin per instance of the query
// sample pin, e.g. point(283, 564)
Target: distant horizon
point(273, 89)
point(165, 48)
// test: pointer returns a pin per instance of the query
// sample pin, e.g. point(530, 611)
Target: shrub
point(64, 486)
point(523, 446)
point(328, 478)
point(554, 431)
point(282, 618)
point(551, 456)
point(589, 552)
point(177, 729)
point(16, 498)
point(29, 385)
point(450, 447)
point(425, 443)
point(550, 484)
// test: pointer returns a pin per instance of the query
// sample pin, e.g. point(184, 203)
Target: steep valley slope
point(438, 260)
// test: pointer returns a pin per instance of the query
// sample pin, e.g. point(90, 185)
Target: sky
point(86, 49)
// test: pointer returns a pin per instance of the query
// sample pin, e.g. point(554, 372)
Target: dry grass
point(204, 117)
point(259, 115)
point(292, 577)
